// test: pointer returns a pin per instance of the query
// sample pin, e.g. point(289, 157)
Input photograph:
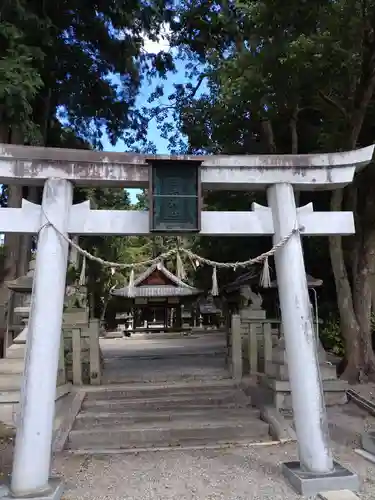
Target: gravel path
point(204, 475)
point(158, 359)
point(251, 473)
point(231, 474)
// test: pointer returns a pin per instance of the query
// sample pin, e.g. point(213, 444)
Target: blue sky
point(146, 90)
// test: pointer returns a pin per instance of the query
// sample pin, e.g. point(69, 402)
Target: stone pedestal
point(253, 322)
point(277, 379)
point(250, 313)
point(76, 316)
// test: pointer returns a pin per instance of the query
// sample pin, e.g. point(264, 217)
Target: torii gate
point(60, 169)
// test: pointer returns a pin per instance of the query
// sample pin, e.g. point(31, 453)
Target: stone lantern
point(22, 285)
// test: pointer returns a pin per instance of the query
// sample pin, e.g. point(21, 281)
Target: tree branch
point(196, 88)
point(293, 130)
point(332, 103)
point(360, 111)
point(169, 107)
point(269, 135)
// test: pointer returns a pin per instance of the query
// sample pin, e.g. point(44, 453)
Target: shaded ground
point(240, 473)
point(158, 359)
point(231, 474)
point(251, 473)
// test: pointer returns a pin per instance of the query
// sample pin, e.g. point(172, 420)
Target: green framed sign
point(175, 196)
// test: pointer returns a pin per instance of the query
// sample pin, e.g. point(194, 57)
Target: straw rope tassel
point(265, 279)
point(131, 289)
point(215, 287)
point(82, 276)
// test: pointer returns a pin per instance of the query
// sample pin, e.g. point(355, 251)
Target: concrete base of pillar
point(54, 493)
point(308, 484)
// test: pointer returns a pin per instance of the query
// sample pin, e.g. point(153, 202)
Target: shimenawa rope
point(262, 258)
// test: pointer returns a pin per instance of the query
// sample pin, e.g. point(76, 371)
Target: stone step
point(184, 433)
point(147, 392)
point(224, 398)
point(151, 419)
point(10, 381)
point(9, 396)
point(11, 365)
point(16, 351)
point(161, 378)
point(13, 396)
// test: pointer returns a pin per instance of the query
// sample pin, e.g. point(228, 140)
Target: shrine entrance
point(178, 211)
point(161, 338)
point(165, 358)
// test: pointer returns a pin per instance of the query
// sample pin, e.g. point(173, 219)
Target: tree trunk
point(269, 135)
point(14, 252)
point(355, 307)
point(27, 239)
point(293, 131)
point(372, 278)
point(12, 255)
point(363, 303)
point(349, 324)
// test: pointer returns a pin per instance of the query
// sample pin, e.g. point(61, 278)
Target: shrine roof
point(253, 277)
point(311, 282)
point(161, 291)
point(32, 165)
point(171, 287)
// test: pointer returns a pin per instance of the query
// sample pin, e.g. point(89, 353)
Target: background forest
point(258, 78)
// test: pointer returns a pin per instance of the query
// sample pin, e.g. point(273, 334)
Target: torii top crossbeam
point(33, 165)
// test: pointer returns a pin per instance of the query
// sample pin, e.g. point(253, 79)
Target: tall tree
point(293, 80)
point(79, 62)
point(85, 62)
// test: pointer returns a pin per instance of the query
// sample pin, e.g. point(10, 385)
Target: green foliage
point(80, 61)
point(330, 335)
point(142, 201)
point(263, 63)
point(20, 80)
point(101, 279)
point(263, 78)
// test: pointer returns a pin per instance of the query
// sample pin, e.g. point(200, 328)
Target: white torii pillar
point(301, 346)
point(32, 455)
point(316, 471)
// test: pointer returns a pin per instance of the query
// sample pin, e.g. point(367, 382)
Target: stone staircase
point(150, 416)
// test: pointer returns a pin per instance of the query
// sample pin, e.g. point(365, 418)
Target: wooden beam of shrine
point(83, 220)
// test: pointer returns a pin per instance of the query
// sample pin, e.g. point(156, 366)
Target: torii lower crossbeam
point(258, 222)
